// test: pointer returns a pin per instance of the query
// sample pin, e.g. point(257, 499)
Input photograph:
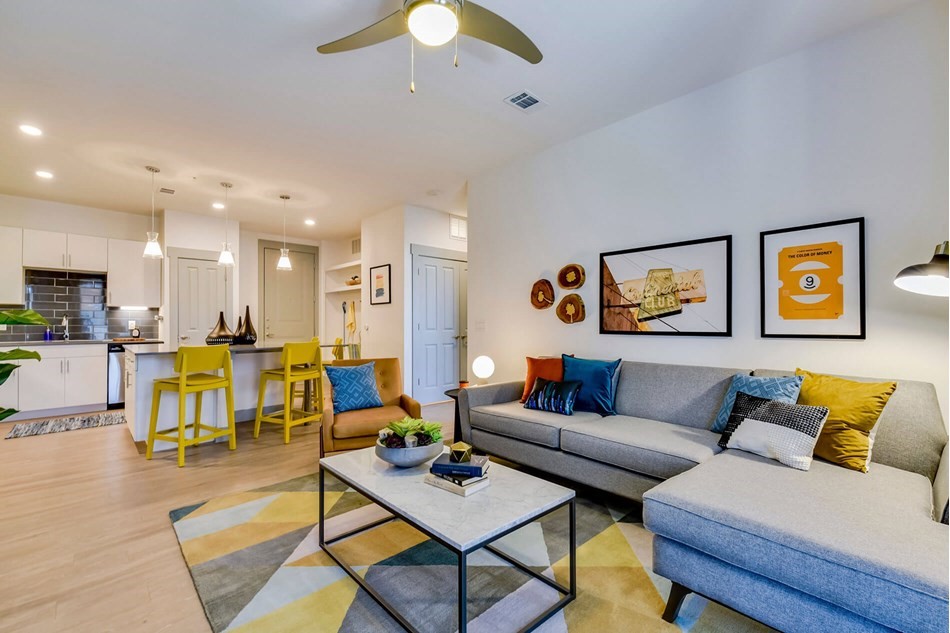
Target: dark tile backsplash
point(82, 297)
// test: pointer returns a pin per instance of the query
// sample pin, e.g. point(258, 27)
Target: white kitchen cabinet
point(85, 252)
point(86, 380)
point(9, 398)
point(44, 249)
point(59, 251)
point(42, 384)
point(67, 376)
point(11, 266)
point(132, 279)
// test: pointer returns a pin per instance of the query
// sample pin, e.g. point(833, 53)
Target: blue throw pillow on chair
point(354, 387)
point(599, 383)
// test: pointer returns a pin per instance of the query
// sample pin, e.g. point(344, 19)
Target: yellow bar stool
point(300, 362)
point(194, 365)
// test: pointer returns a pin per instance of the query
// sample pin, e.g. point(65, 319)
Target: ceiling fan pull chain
point(412, 65)
point(456, 49)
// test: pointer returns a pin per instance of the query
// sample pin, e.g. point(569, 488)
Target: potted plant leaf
point(16, 317)
point(409, 442)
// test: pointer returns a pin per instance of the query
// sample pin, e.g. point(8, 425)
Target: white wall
point(387, 239)
point(854, 126)
point(31, 213)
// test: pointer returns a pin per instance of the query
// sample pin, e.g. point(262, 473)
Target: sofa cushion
point(680, 394)
point(365, 422)
point(910, 432)
point(865, 542)
point(513, 420)
point(599, 380)
point(648, 447)
point(556, 397)
point(781, 388)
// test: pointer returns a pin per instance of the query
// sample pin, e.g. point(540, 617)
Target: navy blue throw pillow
point(599, 378)
point(354, 387)
point(556, 397)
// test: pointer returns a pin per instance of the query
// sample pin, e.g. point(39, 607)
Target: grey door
point(289, 306)
point(436, 334)
point(202, 294)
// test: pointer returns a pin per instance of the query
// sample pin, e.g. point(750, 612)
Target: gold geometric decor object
point(542, 294)
point(571, 277)
point(460, 452)
point(571, 309)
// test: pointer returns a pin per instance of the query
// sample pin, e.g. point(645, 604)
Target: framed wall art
point(684, 288)
point(380, 289)
point(812, 281)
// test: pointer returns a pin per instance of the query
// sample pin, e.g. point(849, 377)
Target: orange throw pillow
point(547, 368)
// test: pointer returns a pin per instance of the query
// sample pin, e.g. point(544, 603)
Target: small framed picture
point(679, 289)
point(380, 279)
point(812, 281)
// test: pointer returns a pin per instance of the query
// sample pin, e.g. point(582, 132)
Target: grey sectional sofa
point(817, 550)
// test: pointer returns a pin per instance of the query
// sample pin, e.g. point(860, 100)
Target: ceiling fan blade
point(482, 24)
point(389, 27)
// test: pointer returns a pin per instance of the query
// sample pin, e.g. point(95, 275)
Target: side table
point(457, 432)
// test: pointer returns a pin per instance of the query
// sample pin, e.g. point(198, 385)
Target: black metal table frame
point(570, 592)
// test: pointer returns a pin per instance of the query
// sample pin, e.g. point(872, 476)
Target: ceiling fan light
point(284, 262)
point(433, 23)
point(153, 250)
point(226, 258)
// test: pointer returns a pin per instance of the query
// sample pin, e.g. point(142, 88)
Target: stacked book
point(462, 478)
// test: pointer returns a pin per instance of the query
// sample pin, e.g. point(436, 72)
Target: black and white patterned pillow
point(777, 430)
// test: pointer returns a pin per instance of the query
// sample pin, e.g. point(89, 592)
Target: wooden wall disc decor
point(571, 277)
point(571, 309)
point(542, 294)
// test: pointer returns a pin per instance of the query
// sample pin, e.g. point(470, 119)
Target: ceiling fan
point(436, 22)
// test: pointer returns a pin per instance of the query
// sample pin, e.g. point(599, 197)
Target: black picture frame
point(765, 253)
point(387, 295)
point(607, 304)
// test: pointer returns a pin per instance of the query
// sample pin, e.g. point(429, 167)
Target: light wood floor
point(85, 539)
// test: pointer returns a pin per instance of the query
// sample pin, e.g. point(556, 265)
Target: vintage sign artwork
point(812, 281)
point(682, 288)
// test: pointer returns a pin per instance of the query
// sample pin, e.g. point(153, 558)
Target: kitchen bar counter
point(144, 367)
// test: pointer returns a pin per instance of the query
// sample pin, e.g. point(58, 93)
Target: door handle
point(184, 338)
point(70, 259)
point(64, 260)
point(268, 335)
point(60, 366)
point(67, 365)
point(128, 379)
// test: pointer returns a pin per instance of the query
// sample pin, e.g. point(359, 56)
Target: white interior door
point(202, 294)
point(437, 335)
point(289, 298)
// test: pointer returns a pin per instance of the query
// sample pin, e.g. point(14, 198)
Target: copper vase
point(221, 334)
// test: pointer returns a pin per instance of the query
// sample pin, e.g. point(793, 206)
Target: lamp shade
point(932, 278)
point(226, 258)
point(433, 22)
point(284, 262)
point(483, 367)
point(153, 250)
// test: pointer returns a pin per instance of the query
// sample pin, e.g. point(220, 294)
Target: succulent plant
point(425, 432)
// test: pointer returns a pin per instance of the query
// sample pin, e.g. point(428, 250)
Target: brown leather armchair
point(360, 428)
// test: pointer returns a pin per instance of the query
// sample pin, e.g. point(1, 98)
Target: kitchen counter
point(235, 349)
point(42, 343)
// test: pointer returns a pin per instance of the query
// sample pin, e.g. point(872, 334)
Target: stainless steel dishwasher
point(116, 396)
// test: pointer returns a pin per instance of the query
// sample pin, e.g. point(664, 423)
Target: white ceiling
point(213, 90)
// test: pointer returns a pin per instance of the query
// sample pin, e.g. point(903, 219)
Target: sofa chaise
point(823, 549)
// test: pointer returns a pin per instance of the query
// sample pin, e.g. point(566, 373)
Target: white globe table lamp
point(483, 367)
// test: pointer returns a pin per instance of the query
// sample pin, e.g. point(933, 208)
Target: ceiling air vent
point(170, 192)
point(525, 101)
point(356, 246)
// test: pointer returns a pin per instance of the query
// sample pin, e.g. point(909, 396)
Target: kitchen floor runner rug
point(59, 425)
point(257, 567)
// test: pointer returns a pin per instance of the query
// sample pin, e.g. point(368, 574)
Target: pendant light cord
point(227, 214)
point(412, 65)
point(285, 223)
point(153, 200)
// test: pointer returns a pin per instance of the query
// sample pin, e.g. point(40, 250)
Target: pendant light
point(226, 258)
point(930, 278)
point(284, 262)
point(153, 250)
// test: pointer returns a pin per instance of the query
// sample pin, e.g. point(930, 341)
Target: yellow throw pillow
point(853, 411)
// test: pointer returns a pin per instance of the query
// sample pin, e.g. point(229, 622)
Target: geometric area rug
point(257, 568)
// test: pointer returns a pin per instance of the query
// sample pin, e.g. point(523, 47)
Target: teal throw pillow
point(783, 389)
point(556, 397)
point(354, 387)
point(599, 383)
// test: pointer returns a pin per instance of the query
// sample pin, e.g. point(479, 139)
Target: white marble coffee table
point(461, 524)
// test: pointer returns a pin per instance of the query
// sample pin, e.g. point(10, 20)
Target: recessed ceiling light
point(218, 205)
point(309, 222)
point(32, 130)
point(44, 174)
